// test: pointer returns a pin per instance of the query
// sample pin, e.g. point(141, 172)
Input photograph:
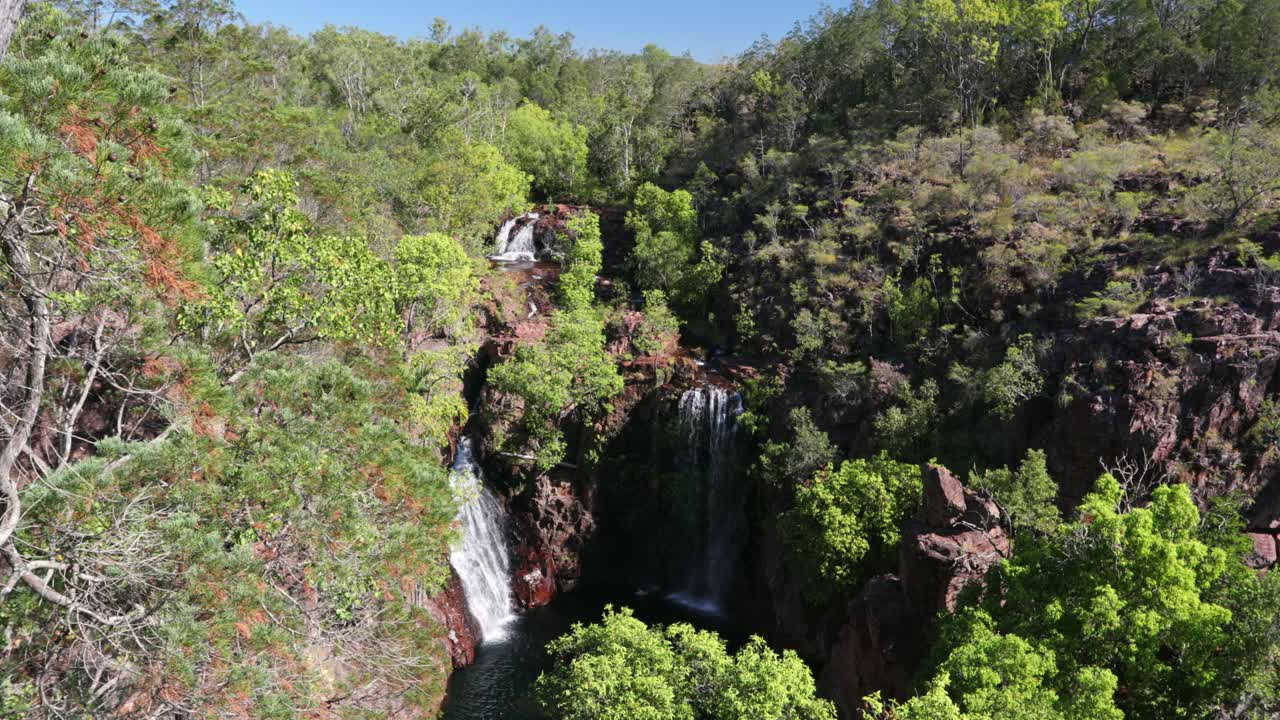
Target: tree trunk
point(10, 11)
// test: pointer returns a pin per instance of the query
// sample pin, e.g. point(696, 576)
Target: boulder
point(1263, 555)
point(944, 497)
point(535, 578)
point(952, 543)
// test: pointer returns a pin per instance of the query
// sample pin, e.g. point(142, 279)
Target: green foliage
point(578, 277)
point(1026, 495)
point(622, 669)
point(844, 517)
point(908, 428)
point(95, 168)
point(912, 312)
point(276, 283)
point(1148, 612)
point(568, 374)
point(1247, 176)
point(804, 450)
point(466, 186)
point(669, 254)
point(992, 675)
point(1265, 432)
point(1118, 298)
point(201, 532)
point(552, 152)
point(436, 281)
point(659, 330)
point(1016, 380)
point(434, 380)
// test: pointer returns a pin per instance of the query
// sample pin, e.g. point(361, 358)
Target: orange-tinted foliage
point(82, 137)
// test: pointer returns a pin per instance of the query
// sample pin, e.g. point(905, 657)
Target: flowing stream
point(708, 419)
point(481, 557)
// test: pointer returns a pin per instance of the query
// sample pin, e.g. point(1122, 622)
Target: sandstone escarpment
point(1179, 386)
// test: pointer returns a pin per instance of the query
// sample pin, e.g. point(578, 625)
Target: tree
point(552, 152)
point(578, 278)
point(669, 254)
point(659, 329)
point(844, 516)
point(467, 187)
point(804, 451)
point(1026, 495)
point(1149, 611)
point(10, 14)
point(569, 374)
point(436, 281)
point(94, 200)
point(623, 669)
point(276, 283)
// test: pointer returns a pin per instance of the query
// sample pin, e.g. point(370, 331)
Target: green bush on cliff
point(669, 254)
point(303, 480)
point(1026, 495)
point(568, 375)
point(660, 328)
point(578, 278)
point(845, 516)
point(623, 669)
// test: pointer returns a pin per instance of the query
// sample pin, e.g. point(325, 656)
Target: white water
point(481, 557)
point(708, 419)
point(521, 247)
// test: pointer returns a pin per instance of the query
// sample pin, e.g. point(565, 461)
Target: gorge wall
point(1172, 391)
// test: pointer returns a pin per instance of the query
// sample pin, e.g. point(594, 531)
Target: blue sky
point(709, 29)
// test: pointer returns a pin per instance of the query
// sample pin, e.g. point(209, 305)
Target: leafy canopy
point(578, 277)
point(1145, 613)
point(844, 515)
point(623, 669)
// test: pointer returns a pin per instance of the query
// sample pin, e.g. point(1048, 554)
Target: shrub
point(659, 330)
point(843, 517)
point(568, 374)
point(1026, 495)
point(578, 279)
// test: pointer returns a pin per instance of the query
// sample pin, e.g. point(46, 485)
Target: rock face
point(959, 539)
point(1180, 384)
point(449, 608)
point(878, 648)
point(554, 522)
point(535, 576)
point(1263, 555)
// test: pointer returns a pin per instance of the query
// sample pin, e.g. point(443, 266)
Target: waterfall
point(481, 557)
point(708, 419)
point(521, 247)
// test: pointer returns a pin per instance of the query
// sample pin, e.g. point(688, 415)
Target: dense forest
point(248, 318)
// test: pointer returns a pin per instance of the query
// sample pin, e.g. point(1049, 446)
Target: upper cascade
point(515, 240)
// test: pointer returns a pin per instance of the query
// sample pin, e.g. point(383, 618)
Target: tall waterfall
point(708, 419)
point(519, 247)
point(481, 557)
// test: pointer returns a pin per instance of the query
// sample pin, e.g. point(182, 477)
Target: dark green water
point(497, 686)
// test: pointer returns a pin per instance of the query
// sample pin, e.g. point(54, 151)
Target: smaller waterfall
point(481, 557)
point(708, 419)
point(521, 246)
